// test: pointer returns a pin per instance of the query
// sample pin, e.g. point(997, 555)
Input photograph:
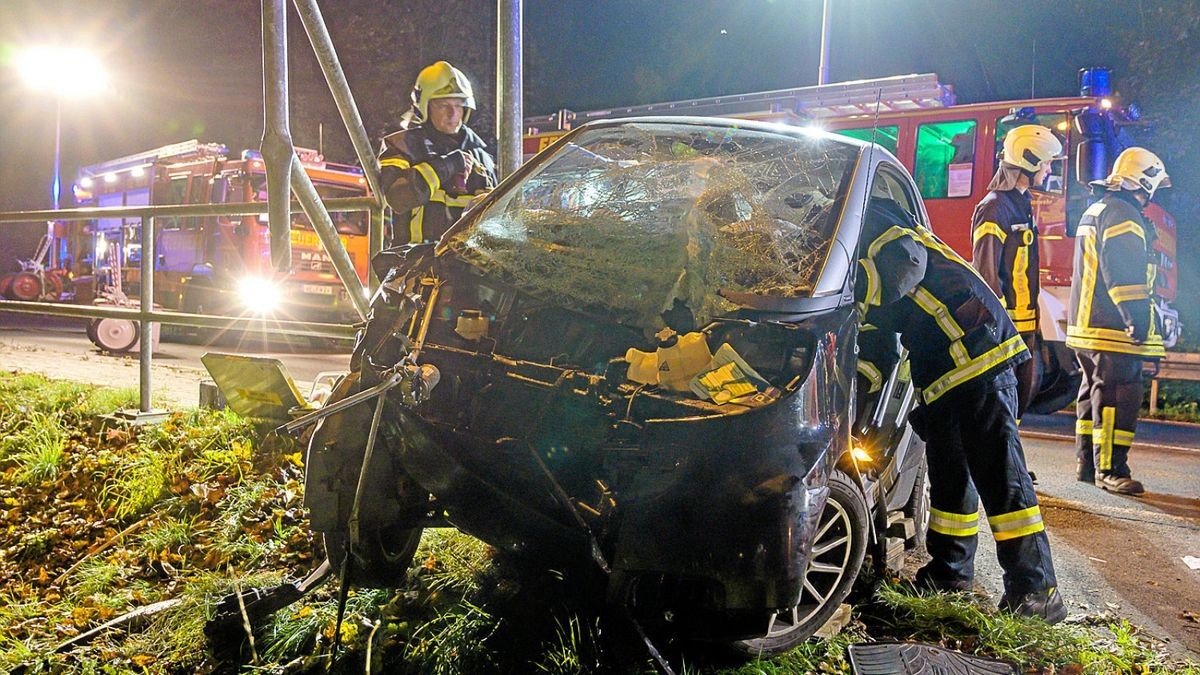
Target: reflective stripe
point(873, 295)
point(1083, 316)
point(869, 371)
point(987, 228)
point(1083, 427)
point(959, 353)
point(891, 234)
point(973, 368)
point(416, 226)
point(1123, 228)
point(454, 202)
point(954, 524)
point(1112, 340)
point(1121, 294)
point(940, 313)
point(1103, 439)
point(1016, 523)
point(398, 162)
point(1020, 280)
point(431, 178)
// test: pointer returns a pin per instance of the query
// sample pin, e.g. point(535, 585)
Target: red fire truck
point(951, 150)
point(216, 264)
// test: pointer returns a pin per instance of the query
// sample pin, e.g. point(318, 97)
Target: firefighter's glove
point(452, 169)
point(1138, 333)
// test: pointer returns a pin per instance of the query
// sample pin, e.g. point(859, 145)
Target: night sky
point(184, 68)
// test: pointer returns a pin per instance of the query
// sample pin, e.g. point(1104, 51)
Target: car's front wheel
point(381, 560)
point(838, 549)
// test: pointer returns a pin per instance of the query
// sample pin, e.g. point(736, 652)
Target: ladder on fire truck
point(175, 152)
point(795, 105)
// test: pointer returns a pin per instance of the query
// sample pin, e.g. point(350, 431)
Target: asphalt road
point(1121, 555)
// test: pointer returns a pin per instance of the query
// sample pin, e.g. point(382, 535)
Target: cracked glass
point(631, 220)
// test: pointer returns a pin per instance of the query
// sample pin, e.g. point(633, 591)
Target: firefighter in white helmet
point(434, 166)
point(1112, 323)
point(1005, 237)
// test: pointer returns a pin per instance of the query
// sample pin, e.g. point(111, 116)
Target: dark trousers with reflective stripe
point(1110, 395)
point(1027, 375)
point(975, 454)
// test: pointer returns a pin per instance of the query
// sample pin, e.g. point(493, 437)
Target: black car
point(637, 357)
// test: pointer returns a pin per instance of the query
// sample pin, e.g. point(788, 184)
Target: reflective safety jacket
point(1111, 309)
point(1005, 243)
point(419, 170)
point(911, 285)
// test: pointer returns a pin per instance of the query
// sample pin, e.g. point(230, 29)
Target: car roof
point(731, 123)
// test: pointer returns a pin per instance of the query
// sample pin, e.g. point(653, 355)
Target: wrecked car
point(636, 359)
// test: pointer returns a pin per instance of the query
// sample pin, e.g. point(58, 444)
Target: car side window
point(888, 184)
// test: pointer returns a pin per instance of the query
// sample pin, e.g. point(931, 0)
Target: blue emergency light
point(1095, 82)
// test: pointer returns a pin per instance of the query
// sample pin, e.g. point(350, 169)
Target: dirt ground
point(173, 386)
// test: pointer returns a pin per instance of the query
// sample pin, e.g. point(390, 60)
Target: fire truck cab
point(217, 264)
point(952, 152)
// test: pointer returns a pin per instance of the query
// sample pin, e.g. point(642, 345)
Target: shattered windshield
point(634, 219)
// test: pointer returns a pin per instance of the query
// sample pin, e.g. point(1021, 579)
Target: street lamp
point(66, 72)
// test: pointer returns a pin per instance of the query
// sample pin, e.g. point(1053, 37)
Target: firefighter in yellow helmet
point(432, 168)
point(1005, 237)
point(1112, 323)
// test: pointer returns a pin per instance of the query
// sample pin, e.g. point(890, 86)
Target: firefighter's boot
point(1045, 604)
point(1122, 485)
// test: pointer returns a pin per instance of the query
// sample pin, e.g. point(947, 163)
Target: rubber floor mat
point(915, 658)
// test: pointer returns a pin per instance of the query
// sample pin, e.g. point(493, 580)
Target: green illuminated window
point(945, 164)
point(885, 136)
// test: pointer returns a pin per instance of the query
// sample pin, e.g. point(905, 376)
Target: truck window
point(885, 136)
point(945, 162)
point(1056, 122)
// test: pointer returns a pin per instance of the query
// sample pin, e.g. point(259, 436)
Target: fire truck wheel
point(5, 285)
point(116, 335)
point(26, 286)
point(91, 331)
point(54, 287)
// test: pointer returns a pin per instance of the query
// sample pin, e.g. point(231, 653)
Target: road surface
point(1117, 554)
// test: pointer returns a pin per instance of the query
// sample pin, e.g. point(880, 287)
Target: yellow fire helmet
point(1029, 145)
point(1137, 169)
point(441, 80)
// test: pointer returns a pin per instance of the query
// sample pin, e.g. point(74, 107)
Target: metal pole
point(318, 35)
point(146, 341)
point(56, 188)
point(277, 147)
point(508, 85)
point(310, 201)
point(823, 68)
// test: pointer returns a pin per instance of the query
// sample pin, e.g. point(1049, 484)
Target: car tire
point(383, 558)
point(917, 507)
point(838, 549)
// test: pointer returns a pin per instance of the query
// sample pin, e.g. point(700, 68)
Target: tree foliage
point(1164, 78)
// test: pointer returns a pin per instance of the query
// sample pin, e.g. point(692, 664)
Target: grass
point(1179, 401)
point(212, 505)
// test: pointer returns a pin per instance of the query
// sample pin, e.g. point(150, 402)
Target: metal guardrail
point(1176, 366)
point(145, 313)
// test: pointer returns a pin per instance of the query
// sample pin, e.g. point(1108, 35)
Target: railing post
point(146, 341)
point(508, 86)
point(277, 147)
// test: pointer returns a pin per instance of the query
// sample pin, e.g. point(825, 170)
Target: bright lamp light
point(65, 71)
point(258, 295)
